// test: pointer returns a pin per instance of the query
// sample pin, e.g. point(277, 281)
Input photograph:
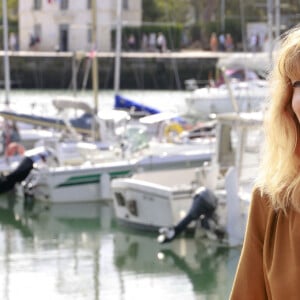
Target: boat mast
point(277, 19)
point(270, 28)
point(94, 65)
point(118, 47)
point(6, 58)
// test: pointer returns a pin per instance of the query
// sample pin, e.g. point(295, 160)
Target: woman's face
point(296, 99)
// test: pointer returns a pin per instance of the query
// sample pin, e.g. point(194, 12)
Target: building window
point(64, 37)
point(89, 4)
point(64, 4)
point(125, 4)
point(35, 37)
point(37, 4)
point(37, 31)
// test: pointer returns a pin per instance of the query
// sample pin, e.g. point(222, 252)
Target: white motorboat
point(239, 96)
point(160, 200)
point(239, 87)
point(154, 199)
point(87, 177)
point(90, 181)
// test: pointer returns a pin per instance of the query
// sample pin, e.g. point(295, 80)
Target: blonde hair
point(280, 166)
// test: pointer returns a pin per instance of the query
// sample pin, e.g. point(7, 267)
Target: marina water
point(78, 251)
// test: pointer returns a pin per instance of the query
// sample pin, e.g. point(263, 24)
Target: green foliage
point(233, 26)
point(12, 10)
point(195, 32)
point(12, 16)
point(151, 12)
point(173, 10)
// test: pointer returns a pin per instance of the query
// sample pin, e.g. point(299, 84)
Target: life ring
point(172, 130)
point(13, 149)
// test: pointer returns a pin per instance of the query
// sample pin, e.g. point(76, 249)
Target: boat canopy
point(71, 103)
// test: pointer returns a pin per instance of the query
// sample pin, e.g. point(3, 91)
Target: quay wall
point(54, 70)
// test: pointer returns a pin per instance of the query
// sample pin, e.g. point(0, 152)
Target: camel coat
point(269, 266)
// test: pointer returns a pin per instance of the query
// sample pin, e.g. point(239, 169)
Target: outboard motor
point(203, 209)
point(7, 182)
point(39, 156)
point(21, 172)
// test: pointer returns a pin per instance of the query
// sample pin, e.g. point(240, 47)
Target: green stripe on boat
point(88, 179)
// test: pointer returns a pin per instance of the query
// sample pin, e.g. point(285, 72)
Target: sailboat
point(28, 135)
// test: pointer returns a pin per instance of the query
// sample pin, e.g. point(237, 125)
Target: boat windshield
point(137, 137)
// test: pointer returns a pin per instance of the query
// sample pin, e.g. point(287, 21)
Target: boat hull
point(69, 185)
point(146, 205)
point(92, 182)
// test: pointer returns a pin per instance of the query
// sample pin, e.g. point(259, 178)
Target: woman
point(269, 266)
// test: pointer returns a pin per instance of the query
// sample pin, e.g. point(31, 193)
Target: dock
point(139, 70)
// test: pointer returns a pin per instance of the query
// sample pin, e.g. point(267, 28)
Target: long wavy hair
point(280, 166)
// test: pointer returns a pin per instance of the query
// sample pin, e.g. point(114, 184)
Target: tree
point(174, 10)
point(151, 12)
point(12, 9)
point(167, 11)
point(12, 15)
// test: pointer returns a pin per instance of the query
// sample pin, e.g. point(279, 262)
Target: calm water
point(78, 251)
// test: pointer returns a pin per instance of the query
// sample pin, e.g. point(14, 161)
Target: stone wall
point(54, 70)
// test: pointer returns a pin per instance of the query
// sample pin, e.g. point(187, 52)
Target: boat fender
point(13, 149)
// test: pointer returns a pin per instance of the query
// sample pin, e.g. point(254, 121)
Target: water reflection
point(52, 251)
point(209, 269)
point(9, 218)
point(76, 251)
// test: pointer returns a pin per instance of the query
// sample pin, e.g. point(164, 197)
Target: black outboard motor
point(7, 182)
point(203, 208)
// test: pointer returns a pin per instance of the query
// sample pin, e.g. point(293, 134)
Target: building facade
point(65, 25)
